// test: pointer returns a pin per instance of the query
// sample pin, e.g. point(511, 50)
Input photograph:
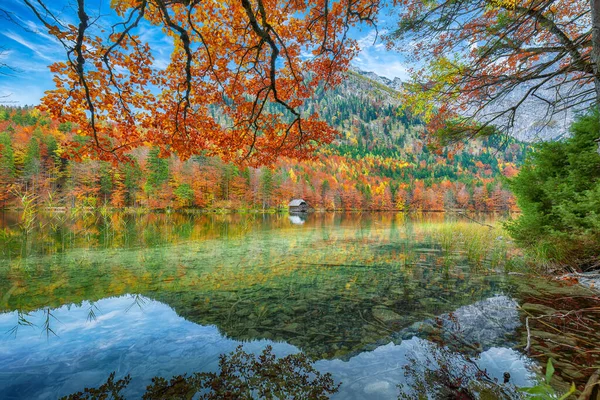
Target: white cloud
point(372, 40)
point(393, 70)
point(40, 50)
point(39, 31)
point(375, 57)
point(5, 54)
point(22, 94)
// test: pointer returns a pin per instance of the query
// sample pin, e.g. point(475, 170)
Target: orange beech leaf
point(233, 87)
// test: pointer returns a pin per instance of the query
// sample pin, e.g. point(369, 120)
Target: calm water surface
point(363, 295)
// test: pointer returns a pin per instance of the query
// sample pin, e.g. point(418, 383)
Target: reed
point(483, 246)
point(29, 206)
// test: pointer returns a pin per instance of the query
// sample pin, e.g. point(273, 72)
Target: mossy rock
point(385, 314)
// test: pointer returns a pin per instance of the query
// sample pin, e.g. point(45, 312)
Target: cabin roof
point(296, 203)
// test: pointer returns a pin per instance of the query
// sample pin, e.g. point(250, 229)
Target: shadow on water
point(240, 376)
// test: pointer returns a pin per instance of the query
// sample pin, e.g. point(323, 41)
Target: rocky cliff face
point(395, 83)
point(534, 120)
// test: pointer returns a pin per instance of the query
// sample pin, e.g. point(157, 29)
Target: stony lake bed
point(386, 303)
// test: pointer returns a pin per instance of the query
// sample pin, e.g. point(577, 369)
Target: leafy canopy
point(231, 60)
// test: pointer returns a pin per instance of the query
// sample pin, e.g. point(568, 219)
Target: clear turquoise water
point(161, 295)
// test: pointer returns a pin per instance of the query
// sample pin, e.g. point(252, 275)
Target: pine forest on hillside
point(293, 199)
point(380, 161)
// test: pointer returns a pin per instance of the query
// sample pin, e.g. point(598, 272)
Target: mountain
point(533, 120)
point(381, 160)
point(395, 84)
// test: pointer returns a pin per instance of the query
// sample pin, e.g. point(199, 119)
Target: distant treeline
point(367, 168)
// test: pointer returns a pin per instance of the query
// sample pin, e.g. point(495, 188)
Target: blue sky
point(28, 48)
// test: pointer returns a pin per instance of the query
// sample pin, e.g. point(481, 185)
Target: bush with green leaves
point(558, 191)
point(543, 390)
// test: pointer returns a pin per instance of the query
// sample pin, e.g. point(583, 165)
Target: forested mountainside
point(379, 162)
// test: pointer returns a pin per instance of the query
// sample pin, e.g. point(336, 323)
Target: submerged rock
point(385, 314)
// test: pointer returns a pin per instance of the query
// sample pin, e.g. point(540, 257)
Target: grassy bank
point(487, 244)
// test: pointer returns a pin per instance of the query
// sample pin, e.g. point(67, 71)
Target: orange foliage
point(245, 59)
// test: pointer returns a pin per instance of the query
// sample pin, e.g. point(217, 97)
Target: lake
point(386, 303)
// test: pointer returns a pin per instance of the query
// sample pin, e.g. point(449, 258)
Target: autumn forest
point(293, 199)
point(381, 160)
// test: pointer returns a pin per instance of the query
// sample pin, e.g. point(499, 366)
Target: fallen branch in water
point(592, 383)
point(528, 335)
point(556, 315)
point(473, 219)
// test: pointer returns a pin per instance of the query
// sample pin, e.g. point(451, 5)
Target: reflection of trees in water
point(439, 373)
point(328, 311)
point(241, 376)
point(334, 287)
point(432, 372)
point(333, 313)
point(59, 232)
point(263, 256)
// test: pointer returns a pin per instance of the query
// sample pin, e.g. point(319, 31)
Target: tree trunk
point(596, 52)
point(596, 46)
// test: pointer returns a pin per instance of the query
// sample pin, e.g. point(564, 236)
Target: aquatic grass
point(539, 258)
point(7, 239)
point(22, 321)
point(29, 211)
point(489, 246)
point(499, 253)
point(483, 246)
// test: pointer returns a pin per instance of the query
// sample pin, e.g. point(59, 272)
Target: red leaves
point(234, 85)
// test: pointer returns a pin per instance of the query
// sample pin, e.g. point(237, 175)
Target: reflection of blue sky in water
point(375, 374)
point(154, 340)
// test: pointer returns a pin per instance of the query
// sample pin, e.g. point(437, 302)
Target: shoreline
point(141, 210)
